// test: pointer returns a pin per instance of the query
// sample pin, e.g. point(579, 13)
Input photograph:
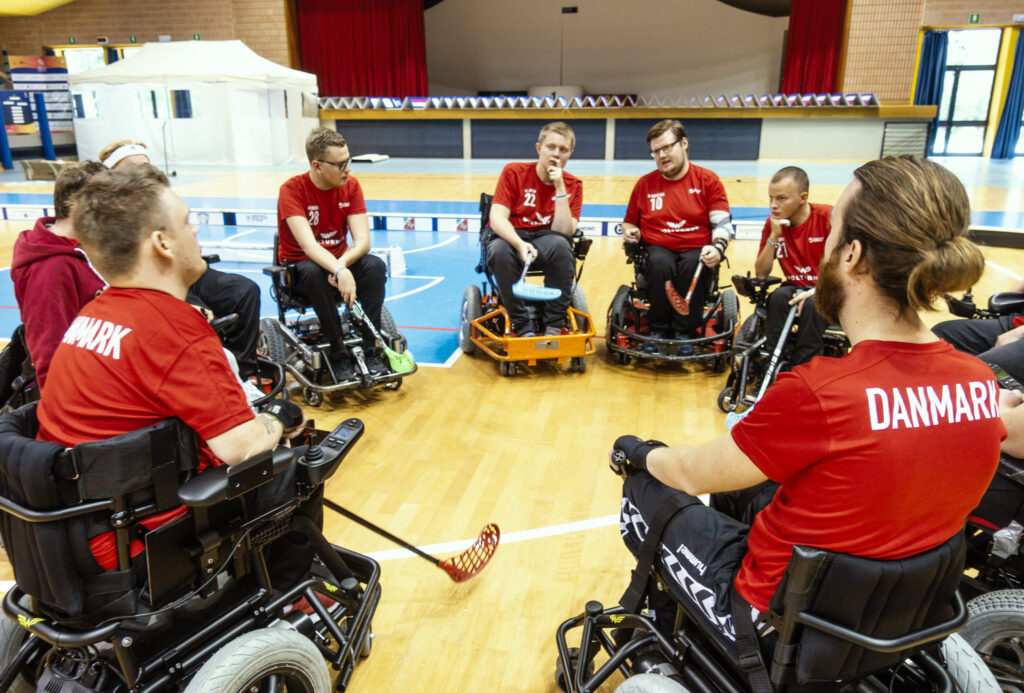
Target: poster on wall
point(49, 75)
point(17, 110)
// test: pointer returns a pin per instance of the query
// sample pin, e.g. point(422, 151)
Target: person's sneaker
point(374, 362)
point(342, 366)
point(305, 607)
point(525, 330)
point(651, 347)
point(552, 331)
point(685, 350)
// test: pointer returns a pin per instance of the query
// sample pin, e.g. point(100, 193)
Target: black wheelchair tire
point(256, 656)
point(578, 364)
point(12, 637)
point(271, 342)
point(579, 302)
point(728, 400)
point(574, 657)
point(313, 398)
point(389, 332)
point(730, 311)
point(471, 309)
point(996, 629)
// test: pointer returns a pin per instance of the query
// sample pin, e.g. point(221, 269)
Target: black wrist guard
point(721, 245)
point(631, 451)
point(289, 414)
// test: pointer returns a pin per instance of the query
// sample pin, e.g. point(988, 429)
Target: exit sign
point(195, 37)
point(974, 18)
point(71, 40)
point(132, 39)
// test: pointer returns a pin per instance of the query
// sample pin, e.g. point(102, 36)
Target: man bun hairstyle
point(911, 217)
point(114, 211)
point(320, 139)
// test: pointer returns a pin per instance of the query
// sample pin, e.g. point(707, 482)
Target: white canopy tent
point(197, 102)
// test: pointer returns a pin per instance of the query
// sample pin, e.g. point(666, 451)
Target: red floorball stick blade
point(471, 561)
point(680, 304)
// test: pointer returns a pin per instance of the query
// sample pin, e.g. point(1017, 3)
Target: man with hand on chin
point(534, 214)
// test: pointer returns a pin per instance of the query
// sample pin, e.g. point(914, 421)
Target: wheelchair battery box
point(320, 461)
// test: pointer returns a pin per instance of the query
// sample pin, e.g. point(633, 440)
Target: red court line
point(11, 307)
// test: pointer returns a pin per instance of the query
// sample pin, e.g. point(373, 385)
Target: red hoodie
point(52, 281)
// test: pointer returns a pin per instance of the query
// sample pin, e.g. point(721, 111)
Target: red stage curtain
point(812, 50)
point(364, 47)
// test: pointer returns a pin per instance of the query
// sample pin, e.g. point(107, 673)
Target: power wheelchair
point(485, 324)
point(295, 340)
point(840, 623)
point(752, 366)
point(197, 609)
point(627, 326)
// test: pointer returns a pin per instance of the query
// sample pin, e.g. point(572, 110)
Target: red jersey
point(132, 358)
point(674, 213)
point(881, 454)
point(801, 247)
point(327, 212)
point(531, 201)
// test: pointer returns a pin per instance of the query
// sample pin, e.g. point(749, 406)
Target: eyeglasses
point(340, 165)
point(664, 150)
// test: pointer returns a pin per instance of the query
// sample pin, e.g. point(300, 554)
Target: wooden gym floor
point(456, 448)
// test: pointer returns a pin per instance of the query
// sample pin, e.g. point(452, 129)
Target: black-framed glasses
point(340, 165)
point(664, 150)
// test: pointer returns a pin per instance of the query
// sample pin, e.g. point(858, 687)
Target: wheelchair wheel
point(651, 683)
point(12, 637)
point(268, 659)
point(574, 659)
point(271, 341)
point(471, 310)
point(730, 311)
point(508, 368)
point(966, 667)
point(996, 631)
point(312, 397)
point(579, 302)
point(578, 364)
point(389, 332)
point(727, 399)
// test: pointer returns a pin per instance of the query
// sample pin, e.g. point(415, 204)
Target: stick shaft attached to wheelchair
point(383, 532)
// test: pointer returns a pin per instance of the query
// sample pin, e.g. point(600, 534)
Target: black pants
point(808, 341)
point(224, 293)
point(554, 257)
point(664, 265)
point(978, 337)
point(700, 552)
point(370, 274)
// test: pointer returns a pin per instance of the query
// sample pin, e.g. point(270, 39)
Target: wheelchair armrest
point(1006, 303)
point(905, 642)
point(211, 259)
point(962, 308)
point(320, 461)
point(632, 249)
point(272, 270)
point(231, 481)
point(582, 247)
point(748, 286)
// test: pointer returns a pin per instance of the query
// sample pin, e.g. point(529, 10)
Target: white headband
point(123, 152)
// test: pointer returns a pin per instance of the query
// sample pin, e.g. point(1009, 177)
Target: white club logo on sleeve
point(99, 336)
point(916, 407)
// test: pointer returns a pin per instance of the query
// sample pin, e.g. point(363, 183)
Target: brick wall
point(881, 48)
point(958, 12)
point(259, 23)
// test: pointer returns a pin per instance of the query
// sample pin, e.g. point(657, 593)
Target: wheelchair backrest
point(875, 598)
point(54, 500)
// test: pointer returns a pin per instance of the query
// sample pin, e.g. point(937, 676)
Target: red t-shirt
point(674, 213)
point(532, 203)
point(881, 454)
point(132, 358)
point(802, 247)
point(327, 212)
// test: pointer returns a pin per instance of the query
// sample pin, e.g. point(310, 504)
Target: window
point(967, 91)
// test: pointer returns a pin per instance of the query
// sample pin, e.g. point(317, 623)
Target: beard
point(829, 294)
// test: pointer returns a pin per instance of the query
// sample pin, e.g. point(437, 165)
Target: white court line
point(237, 235)
point(453, 546)
point(510, 538)
point(1002, 269)
point(434, 282)
point(430, 247)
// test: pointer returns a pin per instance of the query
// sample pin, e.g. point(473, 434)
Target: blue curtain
point(1013, 109)
point(930, 74)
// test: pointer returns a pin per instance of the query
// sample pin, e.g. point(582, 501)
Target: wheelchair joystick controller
point(319, 461)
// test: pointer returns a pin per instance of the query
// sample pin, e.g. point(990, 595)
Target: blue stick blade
point(532, 292)
point(732, 418)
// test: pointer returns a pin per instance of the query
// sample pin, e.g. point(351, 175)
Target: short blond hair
point(559, 128)
point(320, 140)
